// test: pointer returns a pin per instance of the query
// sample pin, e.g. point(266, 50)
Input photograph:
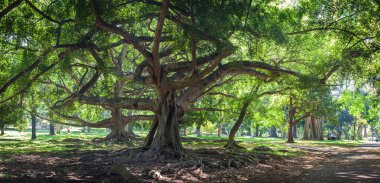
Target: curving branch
point(126, 103)
point(10, 8)
point(129, 38)
point(134, 118)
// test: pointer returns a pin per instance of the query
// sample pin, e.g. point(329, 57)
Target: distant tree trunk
point(346, 136)
point(249, 130)
point(295, 135)
point(2, 130)
point(314, 127)
point(34, 123)
point(151, 133)
point(365, 131)
point(58, 128)
point(360, 132)
point(231, 138)
point(339, 132)
point(219, 129)
point(130, 130)
point(118, 131)
point(198, 130)
point(307, 128)
point(88, 129)
point(83, 129)
point(273, 132)
point(320, 128)
point(292, 112)
point(51, 127)
point(184, 131)
point(257, 130)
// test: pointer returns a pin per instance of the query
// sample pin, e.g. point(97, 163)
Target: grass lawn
point(19, 143)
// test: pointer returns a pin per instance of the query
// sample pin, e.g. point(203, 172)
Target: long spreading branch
point(10, 8)
point(129, 38)
point(126, 103)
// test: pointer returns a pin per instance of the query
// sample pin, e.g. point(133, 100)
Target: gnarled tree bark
point(167, 141)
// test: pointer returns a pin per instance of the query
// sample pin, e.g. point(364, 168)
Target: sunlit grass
point(331, 143)
point(75, 141)
point(14, 143)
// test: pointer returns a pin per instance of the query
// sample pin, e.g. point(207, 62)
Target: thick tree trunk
point(198, 130)
point(231, 138)
point(307, 128)
point(118, 128)
point(34, 123)
point(151, 133)
point(167, 141)
point(51, 127)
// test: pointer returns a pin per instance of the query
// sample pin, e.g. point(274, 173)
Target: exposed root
point(123, 137)
point(233, 145)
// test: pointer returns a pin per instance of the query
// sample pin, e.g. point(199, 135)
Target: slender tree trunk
point(58, 128)
point(88, 129)
point(257, 130)
point(231, 138)
point(130, 130)
point(365, 131)
point(151, 133)
point(249, 130)
point(51, 127)
point(360, 132)
point(292, 112)
point(34, 123)
point(184, 131)
point(339, 131)
point(295, 135)
point(2, 130)
point(219, 130)
point(83, 129)
point(314, 128)
point(167, 142)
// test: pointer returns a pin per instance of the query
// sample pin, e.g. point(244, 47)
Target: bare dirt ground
point(356, 165)
point(201, 165)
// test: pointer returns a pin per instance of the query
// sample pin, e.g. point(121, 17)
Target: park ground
point(75, 157)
